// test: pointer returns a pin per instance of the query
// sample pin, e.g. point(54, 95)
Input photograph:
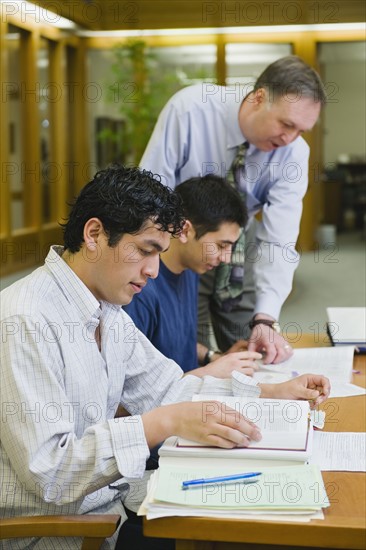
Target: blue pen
point(221, 479)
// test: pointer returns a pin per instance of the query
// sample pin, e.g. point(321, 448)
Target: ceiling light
point(227, 30)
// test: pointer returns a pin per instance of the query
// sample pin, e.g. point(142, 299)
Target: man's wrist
point(158, 424)
point(267, 321)
point(211, 355)
point(266, 390)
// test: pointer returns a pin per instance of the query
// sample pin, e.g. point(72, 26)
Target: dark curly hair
point(124, 199)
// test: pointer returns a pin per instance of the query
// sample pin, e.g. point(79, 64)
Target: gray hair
point(292, 76)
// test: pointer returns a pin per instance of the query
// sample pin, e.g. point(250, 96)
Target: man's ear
point(93, 229)
point(186, 232)
point(259, 97)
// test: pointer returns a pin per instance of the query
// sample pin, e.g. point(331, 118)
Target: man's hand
point(267, 341)
point(311, 387)
point(243, 361)
point(208, 422)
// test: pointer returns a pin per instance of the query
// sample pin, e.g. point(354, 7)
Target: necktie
point(237, 164)
point(229, 277)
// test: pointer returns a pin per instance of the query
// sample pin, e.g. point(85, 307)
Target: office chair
point(93, 528)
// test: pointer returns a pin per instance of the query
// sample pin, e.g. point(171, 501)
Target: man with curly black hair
point(71, 357)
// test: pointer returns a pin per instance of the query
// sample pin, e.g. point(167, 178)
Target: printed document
point(339, 451)
point(335, 363)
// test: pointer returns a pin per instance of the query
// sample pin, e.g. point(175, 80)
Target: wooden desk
point(344, 525)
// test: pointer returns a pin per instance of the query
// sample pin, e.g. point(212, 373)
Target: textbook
point(285, 425)
point(347, 326)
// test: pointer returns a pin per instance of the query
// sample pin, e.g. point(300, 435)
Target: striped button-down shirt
point(62, 449)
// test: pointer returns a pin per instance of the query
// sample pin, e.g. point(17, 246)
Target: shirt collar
point(234, 134)
point(71, 286)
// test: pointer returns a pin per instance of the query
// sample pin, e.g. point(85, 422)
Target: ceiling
point(166, 14)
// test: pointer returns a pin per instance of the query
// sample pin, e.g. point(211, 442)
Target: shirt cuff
point(263, 306)
point(129, 445)
point(243, 385)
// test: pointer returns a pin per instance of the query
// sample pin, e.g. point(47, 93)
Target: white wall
point(344, 73)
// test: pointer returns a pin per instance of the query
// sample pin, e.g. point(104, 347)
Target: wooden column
point(83, 169)
point(220, 60)
point(51, 232)
point(30, 91)
point(305, 47)
point(4, 138)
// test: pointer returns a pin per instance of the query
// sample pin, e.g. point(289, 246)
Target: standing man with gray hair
point(202, 129)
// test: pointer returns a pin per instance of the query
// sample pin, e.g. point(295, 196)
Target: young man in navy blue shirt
point(166, 309)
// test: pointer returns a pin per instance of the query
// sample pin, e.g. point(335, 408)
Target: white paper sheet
point(339, 451)
point(339, 389)
point(335, 363)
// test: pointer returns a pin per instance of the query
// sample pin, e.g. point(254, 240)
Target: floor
point(327, 277)
point(332, 277)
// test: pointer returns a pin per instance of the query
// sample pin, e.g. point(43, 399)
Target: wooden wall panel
point(57, 115)
point(306, 49)
point(27, 246)
point(4, 137)
point(157, 14)
point(31, 135)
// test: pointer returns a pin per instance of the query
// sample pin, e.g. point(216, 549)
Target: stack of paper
point(286, 489)
point(294, 493)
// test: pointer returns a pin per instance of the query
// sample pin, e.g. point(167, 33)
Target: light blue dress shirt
point(198, 133)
